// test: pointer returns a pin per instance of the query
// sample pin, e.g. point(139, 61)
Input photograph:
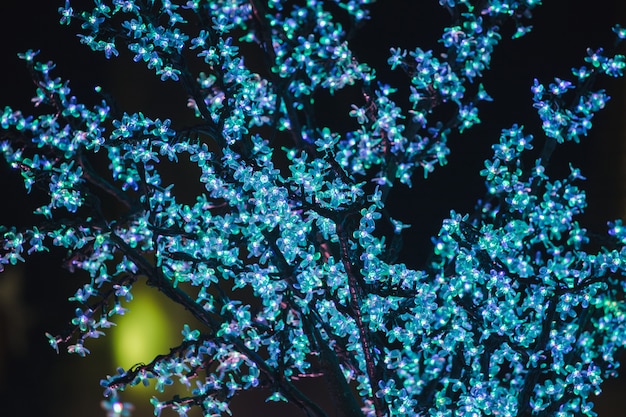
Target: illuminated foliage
point(284, 259)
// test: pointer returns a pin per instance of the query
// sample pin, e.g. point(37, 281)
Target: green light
point(145, 331)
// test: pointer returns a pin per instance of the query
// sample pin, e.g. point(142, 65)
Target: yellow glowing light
point(145, 331)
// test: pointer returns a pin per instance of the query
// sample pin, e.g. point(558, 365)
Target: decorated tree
point(288, 257)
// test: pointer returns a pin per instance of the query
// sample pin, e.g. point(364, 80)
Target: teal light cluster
point(286, 259)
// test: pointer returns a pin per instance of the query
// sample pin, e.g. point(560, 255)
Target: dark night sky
point(34, 381)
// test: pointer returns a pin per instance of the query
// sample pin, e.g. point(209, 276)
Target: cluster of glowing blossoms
point(287, 257)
